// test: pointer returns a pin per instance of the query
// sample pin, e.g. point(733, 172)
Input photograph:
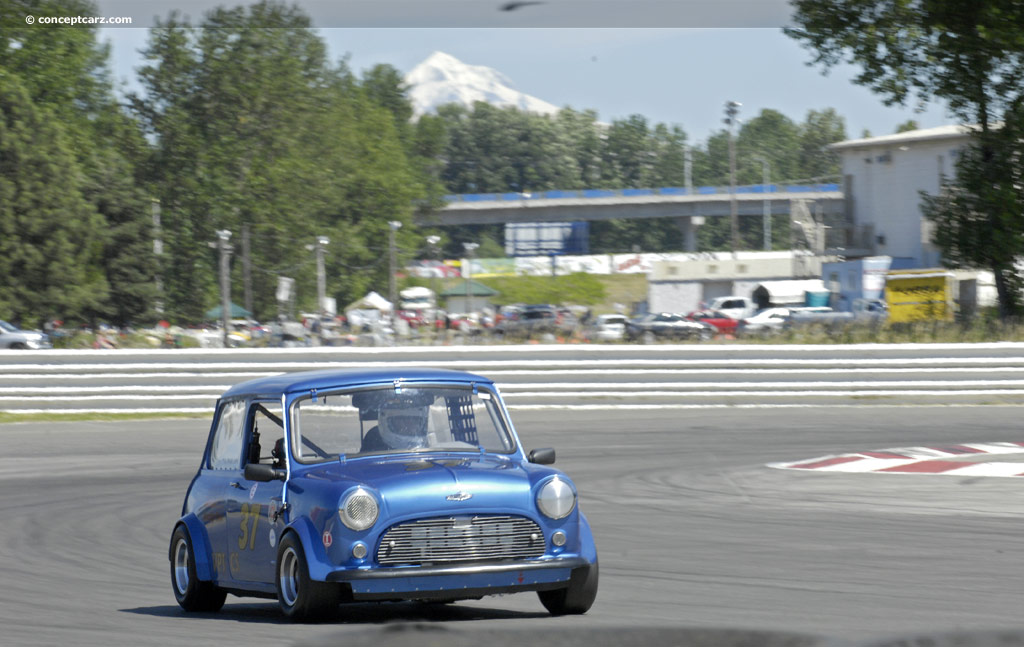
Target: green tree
point(771, 136)
point(583, 134)
point(968, 54)
point(966, 228)
point(907, 126)
point(50, 235)
point(254, 130)
point(64, 72)
point(669, 148)
point(385, 86)
point(628, 158)
point(820, 128)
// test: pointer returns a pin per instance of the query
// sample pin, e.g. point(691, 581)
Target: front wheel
point(191, 593)
point(301, 599)
point(576, 598)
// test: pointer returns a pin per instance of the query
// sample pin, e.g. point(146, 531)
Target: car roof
point(275, 385)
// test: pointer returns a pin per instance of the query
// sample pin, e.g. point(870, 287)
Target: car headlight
point(359, 510)
point(556, 499)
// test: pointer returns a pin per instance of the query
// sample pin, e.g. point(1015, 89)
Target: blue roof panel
point(336, 379)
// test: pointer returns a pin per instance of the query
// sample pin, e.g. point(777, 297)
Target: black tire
point(576, 598)
point(301, 599)
point(191, 593)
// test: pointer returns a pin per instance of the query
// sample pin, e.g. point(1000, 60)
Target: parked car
point(667, 325)
point(736, 307)
point(607, 327)
point(15, 338)
point(766, 321)
point(722, 324)
point(822, 315)
point(335, 486)
point(870, 310)
point(535, 319)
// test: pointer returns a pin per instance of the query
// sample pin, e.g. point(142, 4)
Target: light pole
point(732, 109)
point(224, 247)
point(468, 273)
point(432, 242)
point(393, 226)
point(158, 252)
point(766, 174)
point(321, 278)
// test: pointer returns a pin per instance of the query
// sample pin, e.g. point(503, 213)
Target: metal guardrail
point(537, 377)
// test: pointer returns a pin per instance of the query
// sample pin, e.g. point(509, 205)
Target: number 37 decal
point(250, 519)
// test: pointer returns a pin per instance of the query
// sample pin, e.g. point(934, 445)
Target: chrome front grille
point(460, 539)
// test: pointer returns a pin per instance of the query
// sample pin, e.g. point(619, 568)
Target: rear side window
point(226, 448)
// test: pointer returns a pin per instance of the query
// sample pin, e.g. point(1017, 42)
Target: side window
point(266, 438)
point(226, 448)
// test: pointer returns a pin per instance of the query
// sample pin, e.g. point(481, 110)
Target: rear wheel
point(576, 598)
point(191, 593)
point(301, 598)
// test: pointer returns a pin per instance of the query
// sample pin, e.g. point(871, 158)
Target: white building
point(882, 180)
point(684, 285)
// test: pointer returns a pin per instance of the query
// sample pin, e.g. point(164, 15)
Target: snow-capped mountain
point(442, 79)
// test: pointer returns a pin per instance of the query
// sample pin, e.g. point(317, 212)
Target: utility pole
point(224, 247)
point(732, 108)
point(393, 226)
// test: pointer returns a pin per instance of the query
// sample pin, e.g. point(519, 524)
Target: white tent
point(371, 301)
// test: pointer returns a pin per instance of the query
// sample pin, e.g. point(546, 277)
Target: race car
point(325, 487)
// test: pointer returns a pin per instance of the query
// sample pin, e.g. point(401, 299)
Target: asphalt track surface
point(700, 543)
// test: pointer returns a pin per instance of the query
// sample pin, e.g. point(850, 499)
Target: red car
point(723, 325)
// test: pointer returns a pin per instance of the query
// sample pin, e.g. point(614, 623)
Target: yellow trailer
point(920, 295)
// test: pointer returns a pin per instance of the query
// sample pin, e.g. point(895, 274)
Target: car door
point(220, 468)
point(254, 523)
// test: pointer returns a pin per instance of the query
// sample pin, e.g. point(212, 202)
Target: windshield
point(7, 327)
point(390, 420)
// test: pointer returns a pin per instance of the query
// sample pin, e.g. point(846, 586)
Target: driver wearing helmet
point(398, 427)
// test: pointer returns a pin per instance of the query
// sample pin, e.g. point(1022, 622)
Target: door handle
point(237, 485)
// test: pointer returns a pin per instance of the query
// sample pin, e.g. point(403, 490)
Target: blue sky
point(677, 75)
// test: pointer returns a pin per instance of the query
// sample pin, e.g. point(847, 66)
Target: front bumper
point(452, 582)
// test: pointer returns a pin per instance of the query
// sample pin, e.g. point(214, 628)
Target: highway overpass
point(689, 206)
point(609, 204)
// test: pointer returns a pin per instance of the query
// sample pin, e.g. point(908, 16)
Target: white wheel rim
point(181, 566)
point(288, 577)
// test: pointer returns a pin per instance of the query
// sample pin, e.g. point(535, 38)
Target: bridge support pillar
point(688, 225)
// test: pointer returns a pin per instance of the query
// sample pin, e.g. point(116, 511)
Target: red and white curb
point(960, 460)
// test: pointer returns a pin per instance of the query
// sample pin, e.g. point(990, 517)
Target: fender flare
point(588, 549)
point(312, 546)
point(200, 546)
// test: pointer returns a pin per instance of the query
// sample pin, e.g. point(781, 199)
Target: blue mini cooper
point(323, 487)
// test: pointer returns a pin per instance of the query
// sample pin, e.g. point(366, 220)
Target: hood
point(439, 483)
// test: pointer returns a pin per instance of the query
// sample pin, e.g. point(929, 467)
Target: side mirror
point(263, 473)
point(543, 456)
